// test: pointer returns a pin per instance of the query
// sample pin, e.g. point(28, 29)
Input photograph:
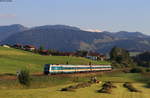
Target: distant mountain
point(64, 39)
point(67, 38)
point(56, 27)
point(6, 31)
point(125, 34)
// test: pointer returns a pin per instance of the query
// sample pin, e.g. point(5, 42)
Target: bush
point(24, 77)
point(136, 70)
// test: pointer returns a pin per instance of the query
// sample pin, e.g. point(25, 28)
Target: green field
point(12, 60)
point(53, 91)
point(89, 92)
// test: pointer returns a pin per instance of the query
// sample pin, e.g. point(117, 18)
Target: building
point(45, 52)
point(29, 47)
point(6, 46)
point(18, 46)
point(96, 56)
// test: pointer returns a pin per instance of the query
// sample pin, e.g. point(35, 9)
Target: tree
point(143, 59)
point(82, 53)
point(54, 52)
point(120, 57)
point(41, 48)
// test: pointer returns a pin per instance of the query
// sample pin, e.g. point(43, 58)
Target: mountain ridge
point(8, 30)
point(69, 38)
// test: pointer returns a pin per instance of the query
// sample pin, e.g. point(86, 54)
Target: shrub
point(136, 70)
point(24, 77)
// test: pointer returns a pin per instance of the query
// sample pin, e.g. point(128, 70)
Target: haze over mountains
point(68, 38)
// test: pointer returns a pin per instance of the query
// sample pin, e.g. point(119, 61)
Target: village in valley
point(51, 52)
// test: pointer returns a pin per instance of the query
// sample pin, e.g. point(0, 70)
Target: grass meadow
point(12, 60)
point(42, 86)
point(49, 87)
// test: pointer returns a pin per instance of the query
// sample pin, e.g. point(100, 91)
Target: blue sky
point(106, 15)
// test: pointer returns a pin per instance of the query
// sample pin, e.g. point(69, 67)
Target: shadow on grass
point(144, 78)
point(7, 74)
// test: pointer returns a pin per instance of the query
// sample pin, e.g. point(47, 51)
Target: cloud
point(7, 16)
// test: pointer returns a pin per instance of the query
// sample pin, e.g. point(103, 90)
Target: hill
point(13, 60)
point(67, 38)
point(6, 31)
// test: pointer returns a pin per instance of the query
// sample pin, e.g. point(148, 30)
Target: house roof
point(44, 50)
point(29, 46)
point(93, 54)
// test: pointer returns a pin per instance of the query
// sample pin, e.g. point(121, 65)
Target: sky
point(104, 15)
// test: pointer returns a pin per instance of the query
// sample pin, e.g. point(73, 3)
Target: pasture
point(12, 60)
point(52, 90)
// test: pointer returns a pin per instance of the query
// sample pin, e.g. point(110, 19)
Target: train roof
point(79, 65)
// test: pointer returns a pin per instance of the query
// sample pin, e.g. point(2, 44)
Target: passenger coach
point(54, 68)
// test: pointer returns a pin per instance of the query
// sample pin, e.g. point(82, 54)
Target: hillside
point(89, 92)
point(52, 86)
point(12, 60)
point(67, 38)
point(6, 31)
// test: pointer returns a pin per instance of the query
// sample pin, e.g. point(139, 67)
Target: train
point(60, 68)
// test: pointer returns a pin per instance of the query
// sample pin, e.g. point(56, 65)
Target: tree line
point(120, 58)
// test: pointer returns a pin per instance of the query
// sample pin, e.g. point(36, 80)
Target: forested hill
point(67, 38)
point(6, 31)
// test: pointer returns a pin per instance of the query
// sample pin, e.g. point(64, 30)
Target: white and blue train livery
point(54, 68)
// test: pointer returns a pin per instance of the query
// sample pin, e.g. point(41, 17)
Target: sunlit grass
point(12, 60)
point(88, 92)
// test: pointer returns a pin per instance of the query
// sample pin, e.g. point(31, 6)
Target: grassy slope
point(12, 60)
point(89, 92)
point(52, 81)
